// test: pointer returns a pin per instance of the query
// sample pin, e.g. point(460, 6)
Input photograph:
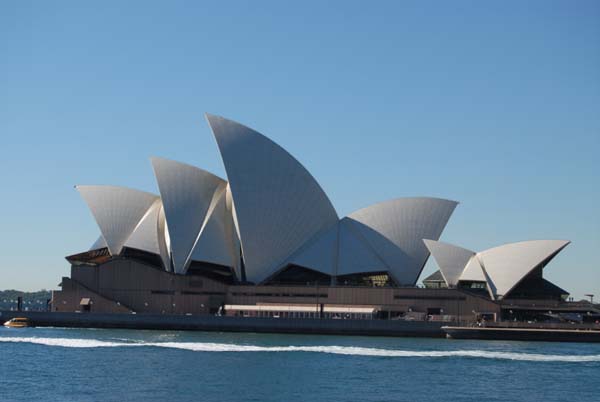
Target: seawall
point(231, 324)
point(524, 334)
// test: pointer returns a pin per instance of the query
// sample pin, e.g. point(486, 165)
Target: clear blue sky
point(494, 105)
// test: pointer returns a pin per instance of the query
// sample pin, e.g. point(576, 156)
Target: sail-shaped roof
point(216, 240)
point(145, 235)
point(186, 192)
point(117, 211)
point(356, 255)
point(278, 205)
point(502, 267)
point(319, 253)
point(473, 271)
point(273, 213)
point(508, 264)
point(451, 259)
point(395, 230)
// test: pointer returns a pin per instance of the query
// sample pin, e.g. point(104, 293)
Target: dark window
point(162, 292)
point(205, 293)
point(143, 256)
point(215, 272)
point(262, 294)
point(297, 275)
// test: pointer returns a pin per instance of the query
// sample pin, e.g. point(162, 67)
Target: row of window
point(187, 292)
point(301, 314)
point(307, 295)
point(403, 297)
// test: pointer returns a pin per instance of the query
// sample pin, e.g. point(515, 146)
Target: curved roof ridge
point(210, 116)
point(188, 165)
point(524, 241)
point(390, 200)
point(448, 244)
point(113, 186)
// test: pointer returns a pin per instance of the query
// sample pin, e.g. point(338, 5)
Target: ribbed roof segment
point(473, 271)
point(501, 268)
point(508, 264)
point(355, 254)
point(186, 192)
point(145, 235)
point(117, 211)
point(451, 259)
point(279, 206)
point(216, 241)
point(395, 230)
point(319, 253)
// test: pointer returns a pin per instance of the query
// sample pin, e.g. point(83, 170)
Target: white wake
point(338, 350)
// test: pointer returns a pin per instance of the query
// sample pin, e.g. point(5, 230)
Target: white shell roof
point(148, 234)
point(502, 267)
point(117, 211)
point(145, 235)
point(186, 192)
point(395, 230)
point(508, 264)
point(319, 253)
point(216, 241)
point(276, 212)
point(473, 271)
point(279, 206)
point(451, 259)
point(355, 254)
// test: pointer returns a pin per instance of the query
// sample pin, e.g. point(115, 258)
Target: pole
point(318, 308)
point(458, 309)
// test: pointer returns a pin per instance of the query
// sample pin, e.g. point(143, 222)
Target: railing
point(538, 325)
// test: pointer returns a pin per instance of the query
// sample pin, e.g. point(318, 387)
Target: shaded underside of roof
point(435, 277)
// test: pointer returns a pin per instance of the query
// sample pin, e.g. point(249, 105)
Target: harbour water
point(56, 364)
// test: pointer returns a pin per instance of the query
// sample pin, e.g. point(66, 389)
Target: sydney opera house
point(267, 241)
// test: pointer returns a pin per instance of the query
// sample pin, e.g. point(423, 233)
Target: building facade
point(269, 235)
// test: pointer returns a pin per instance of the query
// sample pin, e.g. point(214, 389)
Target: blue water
point(82, 365)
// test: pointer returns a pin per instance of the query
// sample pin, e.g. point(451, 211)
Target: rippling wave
point(339, 350)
